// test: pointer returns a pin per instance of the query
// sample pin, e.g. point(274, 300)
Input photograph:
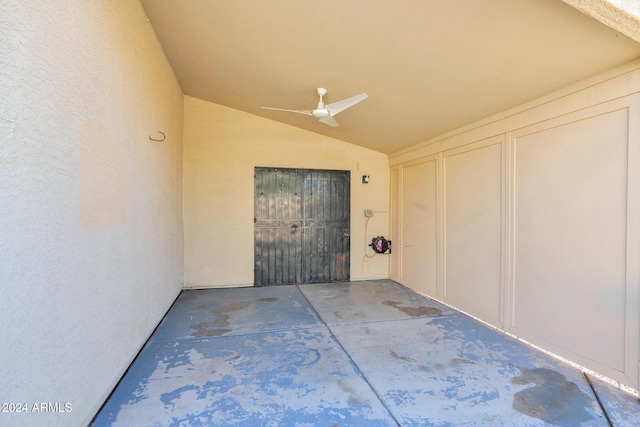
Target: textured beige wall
point(90, 209)
point(222, 147)
point(621, 15)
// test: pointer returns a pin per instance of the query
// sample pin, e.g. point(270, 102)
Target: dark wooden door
point(301, 226)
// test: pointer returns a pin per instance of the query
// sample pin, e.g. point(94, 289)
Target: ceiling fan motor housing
point(320, 112)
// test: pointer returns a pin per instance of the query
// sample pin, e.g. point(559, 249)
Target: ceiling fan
point(327, 112)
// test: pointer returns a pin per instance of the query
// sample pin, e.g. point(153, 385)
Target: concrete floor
point(369, 353)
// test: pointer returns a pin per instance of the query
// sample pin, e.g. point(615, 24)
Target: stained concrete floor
point(369, 353)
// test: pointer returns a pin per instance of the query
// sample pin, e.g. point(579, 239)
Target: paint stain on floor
point(405, 358)
point(354, 399)
point(212, 329)
point(458, 361)
point(414, 311)
point(552, 399)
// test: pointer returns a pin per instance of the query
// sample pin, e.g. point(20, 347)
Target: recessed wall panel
point(473, 223)
point(570, 236)
point(394, 179)
point(419, 227)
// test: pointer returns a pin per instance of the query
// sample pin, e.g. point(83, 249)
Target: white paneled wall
point(473, 228)
point(530, 221)
point(571, 235)
point(419, 214)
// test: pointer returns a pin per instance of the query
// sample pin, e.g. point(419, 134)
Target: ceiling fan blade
point(329, 121)
point(305, 112)
point(339, 106)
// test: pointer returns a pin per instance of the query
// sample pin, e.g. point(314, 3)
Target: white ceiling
point(428, 66)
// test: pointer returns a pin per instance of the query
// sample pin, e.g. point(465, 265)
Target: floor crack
point(353, 362)
point(595, 393)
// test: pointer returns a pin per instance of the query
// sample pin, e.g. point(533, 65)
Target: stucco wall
point(222, 147)
point(91, 252)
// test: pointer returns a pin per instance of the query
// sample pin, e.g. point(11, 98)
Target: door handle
point(346, 234)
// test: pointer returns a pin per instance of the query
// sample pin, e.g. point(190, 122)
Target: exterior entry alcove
point(222, 149)
point(101, 227)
